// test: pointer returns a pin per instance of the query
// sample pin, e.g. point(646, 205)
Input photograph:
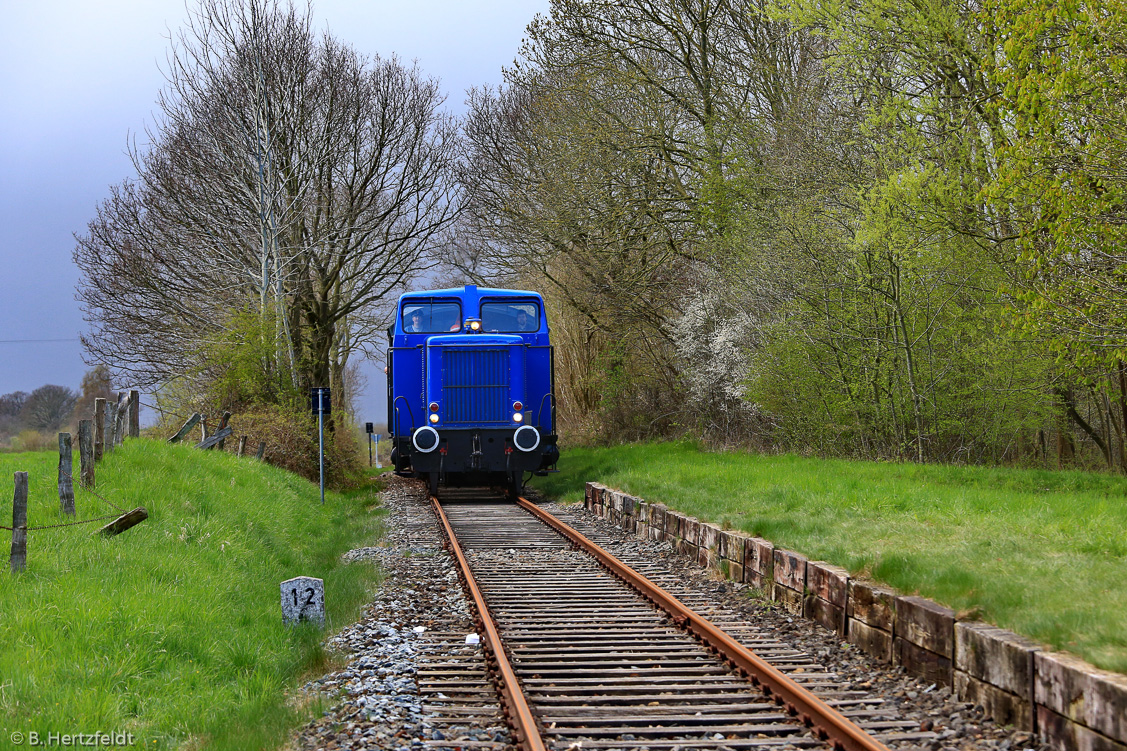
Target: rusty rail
point(514, 704)
point(825, 721)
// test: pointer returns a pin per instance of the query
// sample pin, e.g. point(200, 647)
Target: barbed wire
point(66, 524)
point(93, 492)
point(82, 485)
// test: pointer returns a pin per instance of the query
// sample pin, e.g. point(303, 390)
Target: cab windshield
point(510, 316)
point(432, 317)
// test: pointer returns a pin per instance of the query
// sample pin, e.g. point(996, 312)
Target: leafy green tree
point(611, 165)
point(1062, 77)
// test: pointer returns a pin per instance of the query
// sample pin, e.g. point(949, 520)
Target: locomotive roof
point(468, 292)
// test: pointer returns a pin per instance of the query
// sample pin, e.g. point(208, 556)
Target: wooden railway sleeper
point(844, 734)
point(796, 702)
point(514, 705)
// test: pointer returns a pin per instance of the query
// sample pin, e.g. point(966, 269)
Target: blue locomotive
point(470, 387)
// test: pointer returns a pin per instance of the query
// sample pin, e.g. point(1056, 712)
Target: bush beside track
point(172, 631)
point(1040, 552)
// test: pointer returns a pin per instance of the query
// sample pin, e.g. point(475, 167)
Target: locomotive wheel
point(513, 485)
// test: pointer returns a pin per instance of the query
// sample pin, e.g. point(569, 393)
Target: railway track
point(590, 654)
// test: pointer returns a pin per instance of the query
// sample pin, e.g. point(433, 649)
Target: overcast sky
point(77, 79)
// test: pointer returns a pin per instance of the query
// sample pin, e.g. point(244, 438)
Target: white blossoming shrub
point(715, 339)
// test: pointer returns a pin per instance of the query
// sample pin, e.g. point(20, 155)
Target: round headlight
point(518, 417)
point(527, 438)
point(434, 418)
point(475, 325)
point(425, 439)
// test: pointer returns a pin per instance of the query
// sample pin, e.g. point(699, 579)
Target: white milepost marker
point(303, 599)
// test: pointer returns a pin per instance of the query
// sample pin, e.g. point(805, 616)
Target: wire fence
point(112, 422)
point(92, 492)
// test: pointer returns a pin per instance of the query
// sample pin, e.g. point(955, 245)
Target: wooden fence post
point(222, 424)
point(135, 414)
point(242, 446)
point(120, 420)
point(203, 428)
point(188, 425)
point(125, 521)
point(86, 452)
point(66, 481)
point(261, 450)
point(111, 421)
point(99, 428)
point(123, 407)
point(18, 558)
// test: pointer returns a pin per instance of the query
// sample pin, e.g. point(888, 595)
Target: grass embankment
point(1043, 553)
point(172, 631)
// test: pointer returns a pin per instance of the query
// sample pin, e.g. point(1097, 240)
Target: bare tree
point(288, 175)
point(10, 406)
point(610, 168)
point(48, 408)
point(96, 383)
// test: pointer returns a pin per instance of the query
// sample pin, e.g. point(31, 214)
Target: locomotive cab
point(471, 397)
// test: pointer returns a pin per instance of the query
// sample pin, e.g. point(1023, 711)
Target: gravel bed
point(392, 693)
point(414, 630)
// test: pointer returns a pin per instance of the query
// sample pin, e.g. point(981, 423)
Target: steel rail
point(515, 705)
point(824, 720)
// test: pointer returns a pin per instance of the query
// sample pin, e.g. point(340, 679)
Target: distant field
point(172, 631)
point(1042, 553)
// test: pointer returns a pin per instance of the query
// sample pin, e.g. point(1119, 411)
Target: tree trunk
point(1065, 395)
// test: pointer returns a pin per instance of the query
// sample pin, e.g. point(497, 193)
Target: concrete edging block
point(871, 604)
point(759, 562)
point(1082, 693)
point(996, 656)
point(1062, 733)
point(926, 624)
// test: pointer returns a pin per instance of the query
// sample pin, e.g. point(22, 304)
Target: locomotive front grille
point(475, 386)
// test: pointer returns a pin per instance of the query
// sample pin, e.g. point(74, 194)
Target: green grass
point(1042, 553)
point(172, 630)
